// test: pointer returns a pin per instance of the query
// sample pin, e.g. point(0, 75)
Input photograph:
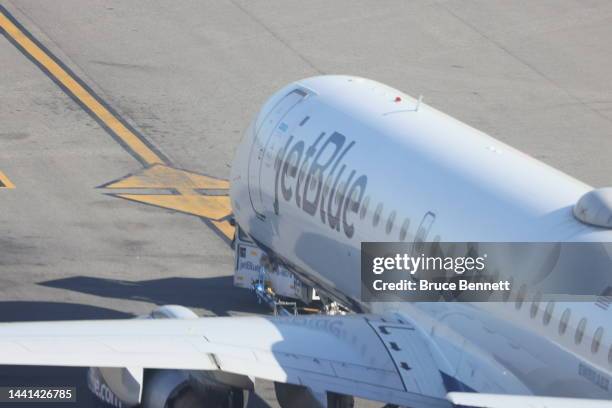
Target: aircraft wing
point(364, 356)
point(527, 401)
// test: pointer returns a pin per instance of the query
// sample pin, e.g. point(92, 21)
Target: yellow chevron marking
point(212, 207)
point(161, 176)
point(190, 195)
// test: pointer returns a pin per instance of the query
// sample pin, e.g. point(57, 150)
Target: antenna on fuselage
point(398, 99)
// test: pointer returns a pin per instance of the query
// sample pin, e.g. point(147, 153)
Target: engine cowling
point(168, 389)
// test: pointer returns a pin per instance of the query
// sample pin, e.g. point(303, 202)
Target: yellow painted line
point(211, 207)
point(158, 174)
point(5, 182)
point(187, 199)
point(162, 177)
point(225, 228)
point(80, 93)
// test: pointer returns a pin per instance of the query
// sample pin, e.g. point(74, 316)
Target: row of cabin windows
point(377, 216)
point(563, 321)
point(520, 297)
point(363, 211)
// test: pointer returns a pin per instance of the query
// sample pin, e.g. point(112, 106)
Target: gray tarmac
point(189, 75)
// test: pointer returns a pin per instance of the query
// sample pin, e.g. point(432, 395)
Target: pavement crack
point(277, 37)
point(524, 62)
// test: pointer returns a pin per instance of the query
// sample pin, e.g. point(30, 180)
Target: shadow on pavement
point(215, 294)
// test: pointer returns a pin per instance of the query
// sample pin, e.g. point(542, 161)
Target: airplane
point(330, 162)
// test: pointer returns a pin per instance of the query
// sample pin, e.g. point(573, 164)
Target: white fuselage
point(333, 161)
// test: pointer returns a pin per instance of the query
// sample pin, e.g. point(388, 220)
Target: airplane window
point(564, 321)
point(507, 292)
point(597, 340)
point(520, 297)
point(364, 207)
point(580, 331)
point(377, 214)
point(550, 307)
point(390, 222)
point(535, 305)
point(304, 120)
point(404, 229)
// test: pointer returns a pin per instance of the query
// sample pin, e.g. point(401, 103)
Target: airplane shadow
point(21, 311)
point(216, 294)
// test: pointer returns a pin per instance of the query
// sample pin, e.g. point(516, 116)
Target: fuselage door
point(272, 120)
